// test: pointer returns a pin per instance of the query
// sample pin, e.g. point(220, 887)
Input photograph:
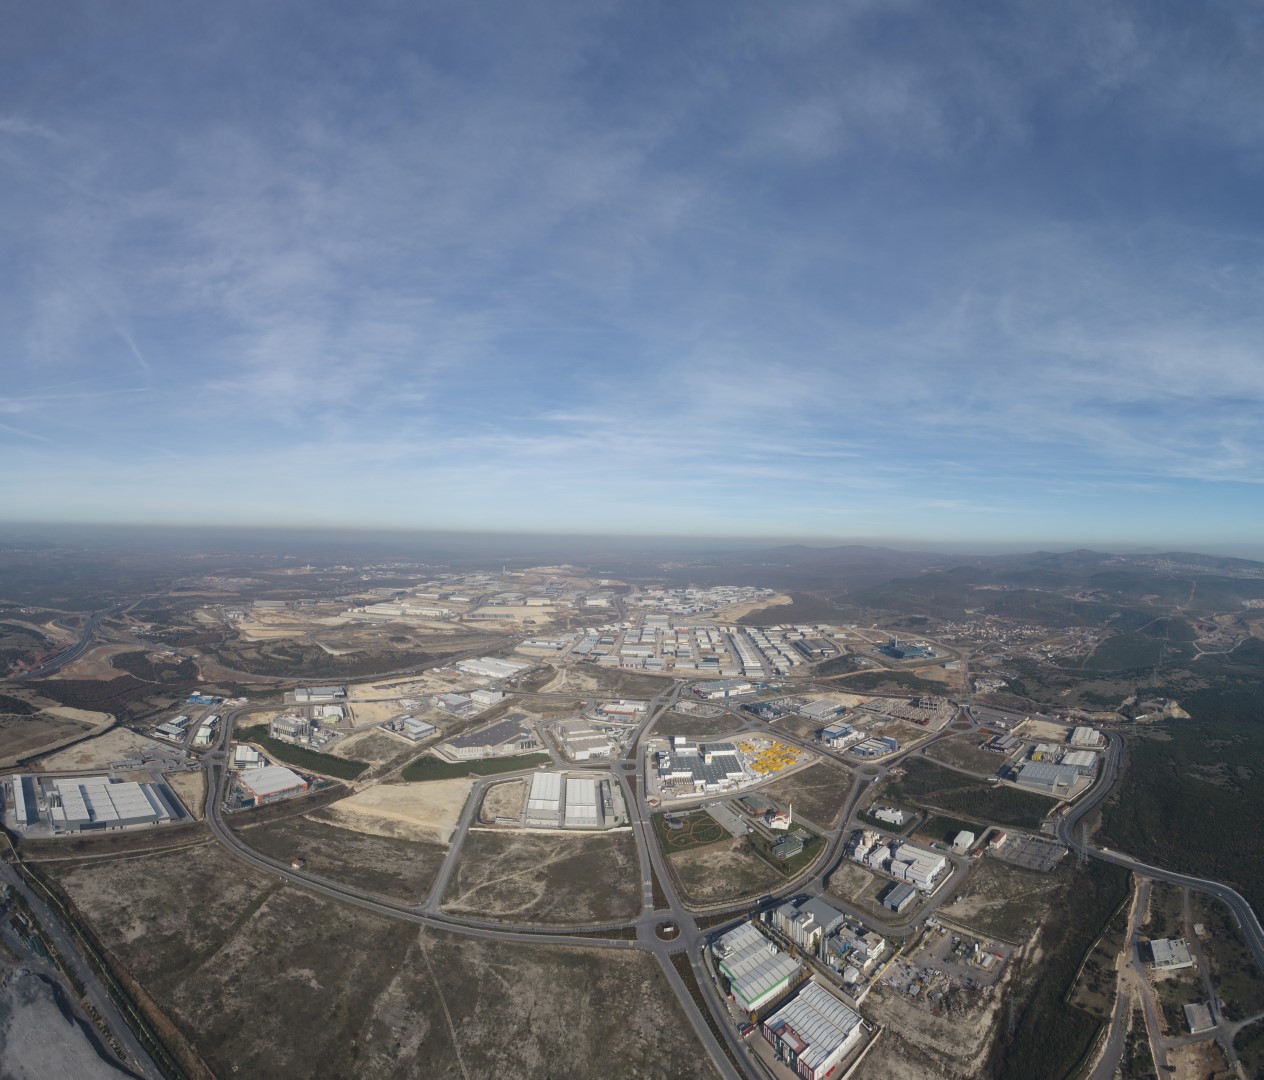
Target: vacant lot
point(722, 872)
point(386, 866)
point(22, 735)
point(97, 753)
point(425, 812)
point(694, 726)
point(817, 792)
point(964, 752)
point(374, 747)
point(503, 800)
point(271, 982)
point(1005, 901)
point(537, 878)
point(190, 789)
point(931, 785)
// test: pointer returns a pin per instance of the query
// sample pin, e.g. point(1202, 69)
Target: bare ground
point(543, 878)
point(503, 800)
point(190, 788)
point(722, 872)
point(388, 866)
point(97, 753)
point(426, 812)
point(1004, 901)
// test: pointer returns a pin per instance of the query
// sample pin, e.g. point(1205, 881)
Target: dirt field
point(1004, 901)
point(1199, 1061)
point(963, 751)
point(99, 752)
point(920, 1044)
point(590, 681)
point(540, 878)
point(190, 789)
point(388, 866)
point(817, 792)
point(851, 881)
point(375, 747)
point(722, 872)
point(23, 735)
point(95, 664)
point(425, 812)
point(1042, 730)
point(374, 712)
point(503, 800)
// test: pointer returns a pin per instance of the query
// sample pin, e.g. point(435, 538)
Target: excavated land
point(424, 812)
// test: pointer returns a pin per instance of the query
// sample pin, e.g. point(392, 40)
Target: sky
point(932, 271)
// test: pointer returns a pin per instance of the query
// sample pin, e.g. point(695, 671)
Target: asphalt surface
point(137, 1060)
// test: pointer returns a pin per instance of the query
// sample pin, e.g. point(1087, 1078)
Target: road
point(1108, 777)
point(691, 939)
point(137, 1058)
point(72, 652)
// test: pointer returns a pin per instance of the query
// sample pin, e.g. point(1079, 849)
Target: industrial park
point(830, 870)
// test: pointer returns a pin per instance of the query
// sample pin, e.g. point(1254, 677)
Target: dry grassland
point(270, 982)
point(721, 872)
point(543, 878)
point(24, 735)
point(1004, 901)
point(926, 1045)
point(95, 664)
point(375, 747)
point(818, 792)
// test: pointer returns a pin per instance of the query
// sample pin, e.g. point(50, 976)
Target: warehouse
point(507, 737)
point(1086, 737)
point(1082, 761)
point(270, 784)
point(686, 771)
point(1048, 779)
point(583, 741)
point(79, 804)
point(758, 972)
point(825, 709)
point(917, 866)
point(307, 695)
point(544, 803)
point(876, 748)
point(723, 688)
point(410, 727)
point(491, 667)
point(899, 896)
point(582, 811)
point(1171, 954)
point(813, 1032)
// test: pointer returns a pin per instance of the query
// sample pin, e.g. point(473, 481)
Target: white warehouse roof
point(270, 780)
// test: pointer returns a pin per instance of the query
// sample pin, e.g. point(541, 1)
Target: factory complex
point(905, 862)
point(813, 1032)
point(560, 801)
point(504, 738)
point(57, 805)
point(684, 769)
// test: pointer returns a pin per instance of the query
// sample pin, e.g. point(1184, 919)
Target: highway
point(72, 652)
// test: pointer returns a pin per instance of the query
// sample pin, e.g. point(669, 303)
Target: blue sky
point(932, 271)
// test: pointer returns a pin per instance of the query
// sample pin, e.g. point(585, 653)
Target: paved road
point(73, 652)
point(138, 1059)
point(1246, 918)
